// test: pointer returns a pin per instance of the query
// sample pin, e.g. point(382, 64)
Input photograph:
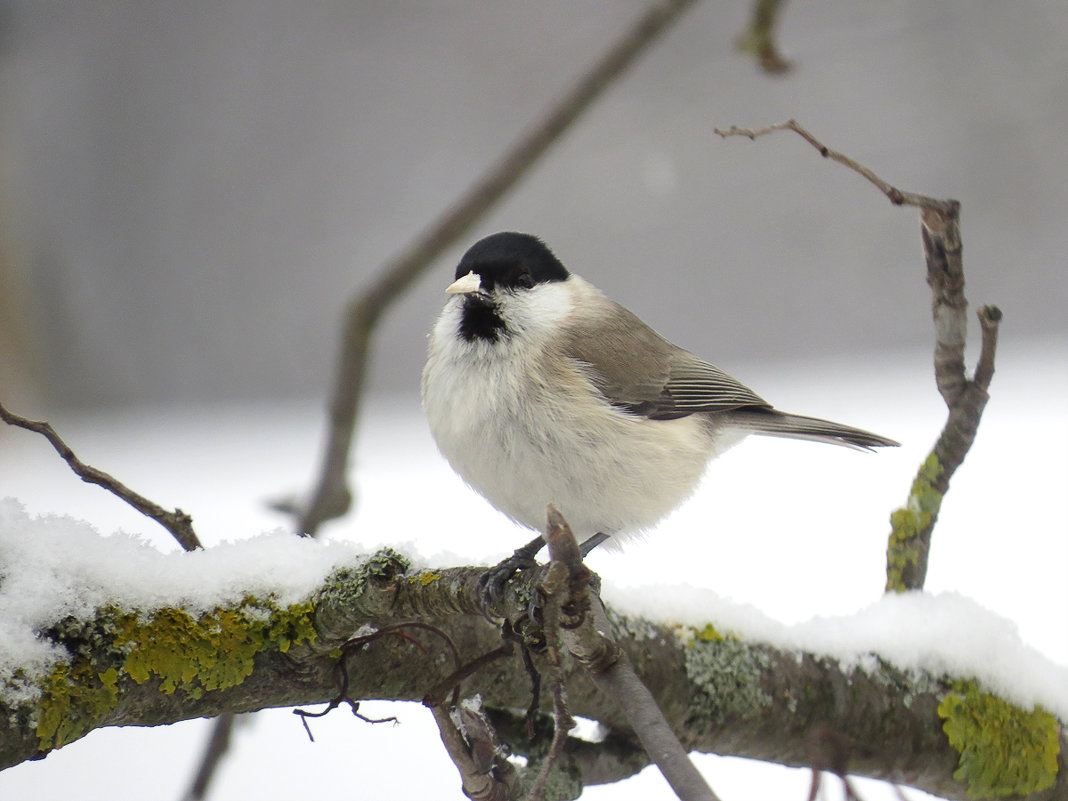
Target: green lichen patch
point(210, 652)
point(688, 635)
point(386, 563)
point(728, 674)
point(708, 634)
point(425, 578)
point(348, 596)
point(73, 700)
point(1004, 750)
point(906, 523)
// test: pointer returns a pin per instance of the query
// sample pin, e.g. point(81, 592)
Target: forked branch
point(912, 525)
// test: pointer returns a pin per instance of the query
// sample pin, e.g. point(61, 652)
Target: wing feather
point(640, 371)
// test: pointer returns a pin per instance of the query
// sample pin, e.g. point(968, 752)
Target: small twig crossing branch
point(583, 627)
point(485, 775)
point(910, 536)
point(178, 523)
point(552, 590)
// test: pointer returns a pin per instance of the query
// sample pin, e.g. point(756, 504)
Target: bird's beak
point(469, 283)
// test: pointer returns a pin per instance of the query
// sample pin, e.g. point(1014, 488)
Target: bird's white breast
point(524, 426)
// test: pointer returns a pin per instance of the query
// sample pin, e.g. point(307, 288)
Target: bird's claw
point(491, 584)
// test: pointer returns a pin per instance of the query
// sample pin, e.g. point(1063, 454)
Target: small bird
point(540, 390)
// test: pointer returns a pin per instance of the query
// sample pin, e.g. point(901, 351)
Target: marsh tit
point(540, 390)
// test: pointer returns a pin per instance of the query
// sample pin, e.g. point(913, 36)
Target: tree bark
point(721, 695)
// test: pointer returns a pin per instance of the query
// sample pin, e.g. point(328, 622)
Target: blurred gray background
point(190, 191)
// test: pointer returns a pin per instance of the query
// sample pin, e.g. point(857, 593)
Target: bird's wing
point(638, 370)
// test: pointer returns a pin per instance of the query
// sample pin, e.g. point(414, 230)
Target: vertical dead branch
point(912, 525)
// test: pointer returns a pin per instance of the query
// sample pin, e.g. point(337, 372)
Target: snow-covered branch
point(101, 650)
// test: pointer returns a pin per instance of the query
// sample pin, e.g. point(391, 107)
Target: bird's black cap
point(511, 260)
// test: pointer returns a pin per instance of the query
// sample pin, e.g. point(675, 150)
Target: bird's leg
point(588, 545)
point(491, 584)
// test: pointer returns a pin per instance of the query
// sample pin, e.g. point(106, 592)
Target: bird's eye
point(524, 281)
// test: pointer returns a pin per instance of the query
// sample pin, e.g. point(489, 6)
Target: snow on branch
point(114, 650)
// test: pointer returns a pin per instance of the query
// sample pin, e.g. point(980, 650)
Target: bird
point(538, 389)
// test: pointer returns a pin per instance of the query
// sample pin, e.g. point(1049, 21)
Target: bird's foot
point(492, 583)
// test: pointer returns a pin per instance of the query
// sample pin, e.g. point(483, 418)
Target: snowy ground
point(793, 530)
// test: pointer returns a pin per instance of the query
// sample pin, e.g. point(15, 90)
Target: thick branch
point(331, 497)
point(724, 696)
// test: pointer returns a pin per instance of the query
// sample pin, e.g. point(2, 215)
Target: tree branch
point(606, 664)
point(912, 525)
point(332, 496)
point(725, 696)
point(177, 523)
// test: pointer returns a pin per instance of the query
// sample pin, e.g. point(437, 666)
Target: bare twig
point(912, 525)
point(178, 523)
point(583, 623)
point(759, 38)
point(451, 682)
point(553, 592)
point(895, 195)
point(354, 643)
point(342, 697)
point(332, 496)
point(484, 773)
point(814, 784)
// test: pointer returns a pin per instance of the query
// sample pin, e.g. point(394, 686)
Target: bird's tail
point(772, 423)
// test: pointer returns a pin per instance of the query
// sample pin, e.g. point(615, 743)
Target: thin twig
point(553, 590)
point(895, 195)
point(342, 697)
point(178, 523)
point(912, 526)
point(485, 774)
point(607, 665)
point(437, 694)
point(331, 496)
point(342, 671)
